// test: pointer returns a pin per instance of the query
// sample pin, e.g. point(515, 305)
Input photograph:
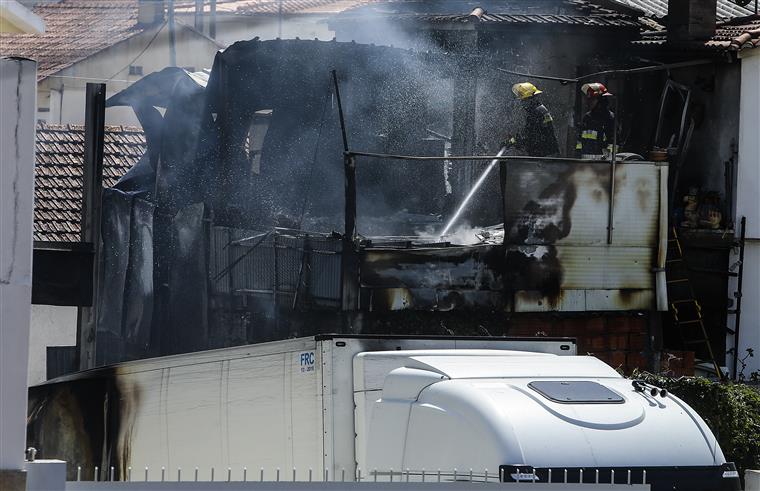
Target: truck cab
point(526, 416)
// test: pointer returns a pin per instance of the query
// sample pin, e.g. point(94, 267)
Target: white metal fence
point(292, 479)
point(340, 486)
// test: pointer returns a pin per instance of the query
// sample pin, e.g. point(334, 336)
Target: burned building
point(249, 220)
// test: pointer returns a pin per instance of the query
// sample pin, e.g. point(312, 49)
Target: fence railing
point(341, 486)
point(280, 478)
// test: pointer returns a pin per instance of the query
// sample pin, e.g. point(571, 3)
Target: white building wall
point(233, 28)
point(748, 204)
point(64, 92)
point(18, 79)
point(51, 325)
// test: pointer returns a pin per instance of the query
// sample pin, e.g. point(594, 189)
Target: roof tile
point(254, 7)
point(734, 35)
point(726, 9)
point(58, 174)
point(74, 29)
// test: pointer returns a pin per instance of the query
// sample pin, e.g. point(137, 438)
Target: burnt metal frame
point(679, 89)
point(349, 293)
point(350, 222)
point(613, 163)
point(738, 294)
point(684, 133)
point(349, 266)
point(623, 71)
point(349, 157)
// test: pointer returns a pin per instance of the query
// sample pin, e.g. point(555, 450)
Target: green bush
point(732, 411)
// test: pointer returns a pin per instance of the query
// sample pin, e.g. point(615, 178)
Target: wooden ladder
point(684, 306)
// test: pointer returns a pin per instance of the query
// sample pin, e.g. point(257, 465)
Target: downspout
point(661, 287)
point(60, 104)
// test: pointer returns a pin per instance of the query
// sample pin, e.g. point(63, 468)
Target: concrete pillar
point(18, 98)
point(46, 475)
point(748, 204)
point(690, 20)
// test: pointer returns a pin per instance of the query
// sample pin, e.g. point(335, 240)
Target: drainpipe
point(661, 287)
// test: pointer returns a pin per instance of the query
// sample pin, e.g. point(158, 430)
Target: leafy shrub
point(732, 411)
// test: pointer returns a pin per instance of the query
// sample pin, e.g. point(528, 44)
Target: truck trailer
point(372, 406)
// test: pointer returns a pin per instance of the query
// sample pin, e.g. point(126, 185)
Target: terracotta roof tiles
point(734, 35)
point(74, 29)
point(58, 174)
point(726, 9)
point(252, 7)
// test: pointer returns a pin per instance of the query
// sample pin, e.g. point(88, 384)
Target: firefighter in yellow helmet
point(595, 133)
point(537, 138)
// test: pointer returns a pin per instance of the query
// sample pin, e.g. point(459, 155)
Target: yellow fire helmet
point(525, 90)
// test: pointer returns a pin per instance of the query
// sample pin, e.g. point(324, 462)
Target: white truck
point(521, 409)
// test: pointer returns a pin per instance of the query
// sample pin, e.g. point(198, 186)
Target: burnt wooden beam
point(92, 192)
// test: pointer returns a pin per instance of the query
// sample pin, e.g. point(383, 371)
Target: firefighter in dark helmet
point(595, 134)
point(537, 138)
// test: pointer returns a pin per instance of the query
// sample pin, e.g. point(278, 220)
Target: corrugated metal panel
point(258, 263)
point(325, 278)
point(567, 203)
point(606, 268)
point(558, 258)
point(585, 301)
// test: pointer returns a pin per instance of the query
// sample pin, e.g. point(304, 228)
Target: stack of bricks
point(619, 341)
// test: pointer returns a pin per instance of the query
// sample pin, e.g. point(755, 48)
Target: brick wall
point(620, 341)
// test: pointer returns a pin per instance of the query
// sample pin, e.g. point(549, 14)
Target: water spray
point(475, 187)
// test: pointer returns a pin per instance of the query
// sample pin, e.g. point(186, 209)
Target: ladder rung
point(688, 300)
point(715, 271)
point(696, 341)
point(682, 280)
point(695, 321)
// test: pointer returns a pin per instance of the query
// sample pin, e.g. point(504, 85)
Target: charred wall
point(204, 243)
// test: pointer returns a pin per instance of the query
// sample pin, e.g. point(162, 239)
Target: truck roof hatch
point(576, 392)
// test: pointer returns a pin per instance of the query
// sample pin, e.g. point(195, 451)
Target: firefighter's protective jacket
point(595, 132)
point(538, 138)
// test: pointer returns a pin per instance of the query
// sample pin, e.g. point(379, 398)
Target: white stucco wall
point(18, 100)
point(63, 94)
point(51, 325)
point(748, 204)
point(231, 28)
